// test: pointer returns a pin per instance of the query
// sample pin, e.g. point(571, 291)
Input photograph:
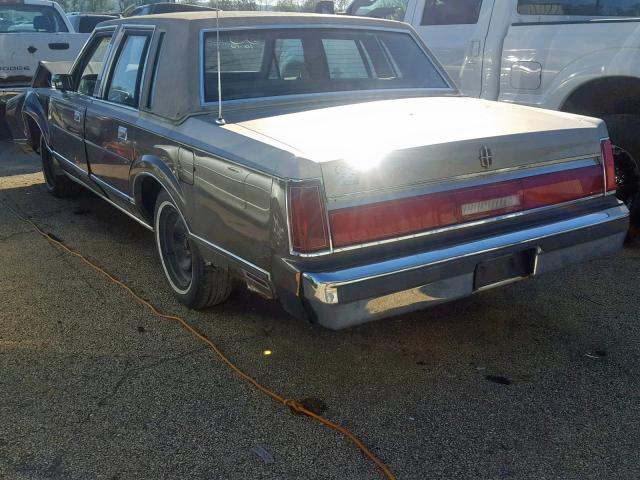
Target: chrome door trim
point(69, 163)
point(112, 189)
point(113, 204)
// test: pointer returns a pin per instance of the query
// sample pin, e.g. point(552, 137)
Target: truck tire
point(57, 183)
point(624, 131)
point(195, 282)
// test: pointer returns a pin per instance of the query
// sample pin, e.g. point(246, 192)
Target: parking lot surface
point(535, 380)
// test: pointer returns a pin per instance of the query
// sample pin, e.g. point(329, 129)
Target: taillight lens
point(380, 221)
point(308, 219)
point(609, 166)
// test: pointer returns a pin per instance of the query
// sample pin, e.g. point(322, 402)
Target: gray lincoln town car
point(327, 162)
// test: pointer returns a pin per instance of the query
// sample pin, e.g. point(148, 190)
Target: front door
point(67, 109)
point(455, 30)
point(110, 123)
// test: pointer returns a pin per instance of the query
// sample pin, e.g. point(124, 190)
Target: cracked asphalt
point(537, 380)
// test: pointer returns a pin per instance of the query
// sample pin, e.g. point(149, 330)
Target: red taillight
point(560, 187)
point(391, 219)
point(609, 166)
point(307, 216)
point(379, 221)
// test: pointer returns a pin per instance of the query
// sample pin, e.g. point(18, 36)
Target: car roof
point(248, 19)
point(182, 43)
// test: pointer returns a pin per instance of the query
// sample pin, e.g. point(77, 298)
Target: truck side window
point(451, 12)
point(92, 68)
point(586, 8)
point(124, 86)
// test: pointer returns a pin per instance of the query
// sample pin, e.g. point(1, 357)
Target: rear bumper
point(351, 296)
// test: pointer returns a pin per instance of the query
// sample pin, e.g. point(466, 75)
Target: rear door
point(30, 33)
point(111, 121)
point(67, 109)
point(455, 30)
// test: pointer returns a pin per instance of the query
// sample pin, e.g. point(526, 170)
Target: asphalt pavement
point(536, 380)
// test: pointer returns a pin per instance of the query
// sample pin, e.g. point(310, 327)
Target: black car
point(86, 22)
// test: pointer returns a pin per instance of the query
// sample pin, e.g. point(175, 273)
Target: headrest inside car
point(42, 23)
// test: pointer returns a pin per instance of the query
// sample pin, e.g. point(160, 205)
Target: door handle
point(77, 116)
point(59, 46)
point(475, 48)
point(122, 134)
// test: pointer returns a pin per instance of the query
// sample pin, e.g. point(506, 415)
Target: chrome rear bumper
point(351, 296)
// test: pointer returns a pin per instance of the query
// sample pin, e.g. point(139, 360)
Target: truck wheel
point(196, 283)
point(57, 183)
point(624, 131)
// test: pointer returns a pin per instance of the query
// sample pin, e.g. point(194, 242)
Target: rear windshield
point(264, 63)
point(30, 19)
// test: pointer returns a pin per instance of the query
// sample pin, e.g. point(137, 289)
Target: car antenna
point(220, 119)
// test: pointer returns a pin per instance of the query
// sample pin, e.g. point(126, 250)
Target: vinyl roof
point(248, 19)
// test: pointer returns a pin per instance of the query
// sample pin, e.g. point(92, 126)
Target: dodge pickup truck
point(578, 56)
point(32, 31)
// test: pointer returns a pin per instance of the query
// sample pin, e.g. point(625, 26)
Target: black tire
point(624, 131)
point(57, 183)
point(196, 283)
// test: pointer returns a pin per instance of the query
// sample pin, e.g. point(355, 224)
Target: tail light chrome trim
point(608, 166)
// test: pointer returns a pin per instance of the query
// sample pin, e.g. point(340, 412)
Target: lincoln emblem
point(486, 159)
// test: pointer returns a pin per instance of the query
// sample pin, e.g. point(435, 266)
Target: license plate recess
point(504, 269)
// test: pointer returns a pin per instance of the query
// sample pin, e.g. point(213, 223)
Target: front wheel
point(57, 183)
point(196, 283)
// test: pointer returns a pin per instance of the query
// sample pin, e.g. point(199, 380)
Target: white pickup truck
point(31, 31)
point(578, 56)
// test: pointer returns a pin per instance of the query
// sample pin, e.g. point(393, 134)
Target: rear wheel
point(624, 131)
point(196, 283)
point(57, 183)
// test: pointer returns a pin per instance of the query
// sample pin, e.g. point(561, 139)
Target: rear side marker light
point(609, 165)
point(307, 218)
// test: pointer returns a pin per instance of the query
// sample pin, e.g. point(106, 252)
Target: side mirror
point(62, 82)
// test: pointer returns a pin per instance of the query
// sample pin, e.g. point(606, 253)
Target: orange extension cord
point(293, 405)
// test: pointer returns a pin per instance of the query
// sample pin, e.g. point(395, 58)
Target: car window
point(18, 18)
point(451, 12)
point(288, 60)
point(389, 9)
point(344, 58)
point(93, 66)
point(268, 62)
point(124, 87)
point(589, 8)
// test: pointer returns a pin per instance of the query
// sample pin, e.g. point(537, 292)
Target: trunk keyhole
point(32, 49)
